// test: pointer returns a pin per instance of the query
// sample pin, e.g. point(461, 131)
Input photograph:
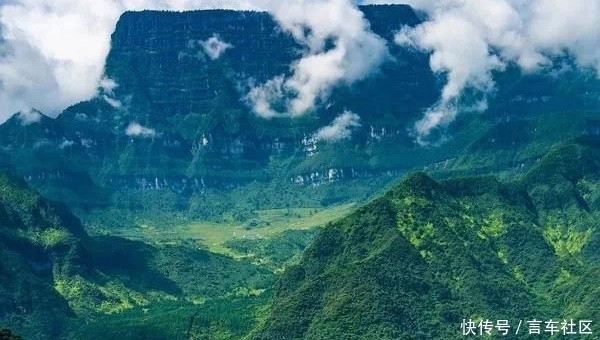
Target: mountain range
point(166, 208)
point(168, 118)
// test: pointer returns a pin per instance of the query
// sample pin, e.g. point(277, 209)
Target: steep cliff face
point(171, 116)
point(195, 105)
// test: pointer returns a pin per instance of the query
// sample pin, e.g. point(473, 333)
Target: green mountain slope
point(210, 157)
point(426, 255)
point(512, 145)
point(55, 279)
point(39, 241)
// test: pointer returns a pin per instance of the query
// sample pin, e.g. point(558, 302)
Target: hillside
point(40, 241)
point(426, 255)
point(54, 278)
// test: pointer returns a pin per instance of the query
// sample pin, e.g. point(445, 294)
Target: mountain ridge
point(170, 123)
point(190, 205)
point(55, 279)
point(426, 255)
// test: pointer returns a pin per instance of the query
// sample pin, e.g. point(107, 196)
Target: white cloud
point(106, 88)
point(28, 117)
point(66, 144)
point(107, 85)
point(340, 129)
point(52, 53)
point(339, 49)
point(434, 117)
point(137, 130)
point(114, 103)
point(215, 47)
point(469, 39)
point(448, 54)
point(263, 97)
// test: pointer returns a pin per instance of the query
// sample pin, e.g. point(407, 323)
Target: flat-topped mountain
point(181, 204)
point(171, 118)
point(172, 123)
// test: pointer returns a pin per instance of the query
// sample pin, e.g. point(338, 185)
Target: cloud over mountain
point(137, 130)
point(52, 53)
point(339, 49)
point(29, 117)
point(340, 129)
point(469, 39)
point(214, 47)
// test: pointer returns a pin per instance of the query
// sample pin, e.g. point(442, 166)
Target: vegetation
point(54, 276)
point(223, 318)
point(6, 334)
point(413, 262)
point(417, 261)
point(224, 225)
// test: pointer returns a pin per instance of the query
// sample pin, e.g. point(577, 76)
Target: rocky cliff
point(171, 117)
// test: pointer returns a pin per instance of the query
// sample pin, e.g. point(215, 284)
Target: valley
point(235, 239)
point(168, 207)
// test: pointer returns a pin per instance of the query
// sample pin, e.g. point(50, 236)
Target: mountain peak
point(416, 184)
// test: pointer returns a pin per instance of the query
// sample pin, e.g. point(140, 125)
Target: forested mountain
point(171, 130)
point(167, 207)
point(175, 120)
point(418, 261)
point(55, 278)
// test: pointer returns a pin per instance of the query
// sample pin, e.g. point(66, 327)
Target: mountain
point(203, 136)
point(170, 135)
point(55, 278)
point(180, 207)
point(417, 261)
point(40, 241)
